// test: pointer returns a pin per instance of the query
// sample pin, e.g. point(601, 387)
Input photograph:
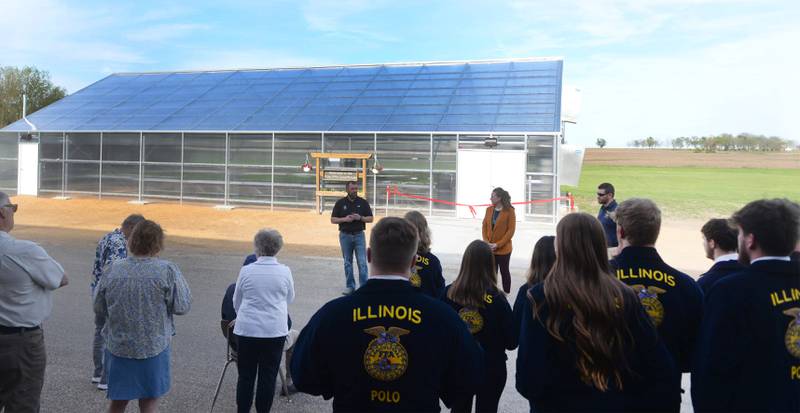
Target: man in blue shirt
point(748, 351)
point(605, 197)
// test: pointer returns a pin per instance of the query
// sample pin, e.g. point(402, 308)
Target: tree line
point(31, 81)
point(725, 142)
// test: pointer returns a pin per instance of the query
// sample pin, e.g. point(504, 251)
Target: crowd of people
point(602, 323)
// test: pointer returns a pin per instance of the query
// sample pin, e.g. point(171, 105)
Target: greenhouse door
point(28, 169)
point(481, 170)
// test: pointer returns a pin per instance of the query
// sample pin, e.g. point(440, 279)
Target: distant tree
point(725, 142)
point(601, 142)
point(651, 142)
point(679, 143)
point(741, 142)
point(31, 81)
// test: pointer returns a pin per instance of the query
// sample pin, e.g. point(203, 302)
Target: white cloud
point(163, 12)
point(340, 18)
point(597, 22)
point(49, 30)
point(247, 59)
point(747, 85)
point(164, 32)
point(581, 23)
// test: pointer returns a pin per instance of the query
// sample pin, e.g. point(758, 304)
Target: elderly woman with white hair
point(263, 292)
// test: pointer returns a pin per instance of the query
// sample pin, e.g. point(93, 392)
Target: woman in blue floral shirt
point(138, 296)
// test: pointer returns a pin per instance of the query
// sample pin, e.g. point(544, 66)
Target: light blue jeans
point(351, 243)
point(98, 348)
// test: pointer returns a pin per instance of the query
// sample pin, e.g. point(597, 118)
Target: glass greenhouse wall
point(265, 168)
point(8, 162)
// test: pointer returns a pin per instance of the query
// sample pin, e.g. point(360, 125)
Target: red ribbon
point(395, 191)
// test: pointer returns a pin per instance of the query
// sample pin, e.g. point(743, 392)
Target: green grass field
point(689, 192)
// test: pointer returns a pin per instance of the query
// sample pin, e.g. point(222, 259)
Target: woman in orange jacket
point(499, 224)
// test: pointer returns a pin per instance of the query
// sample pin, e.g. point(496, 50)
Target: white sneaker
point(96, 379)
point(102, 386)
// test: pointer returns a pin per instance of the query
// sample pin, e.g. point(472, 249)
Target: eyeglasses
point(14, 207)
point(599, 194)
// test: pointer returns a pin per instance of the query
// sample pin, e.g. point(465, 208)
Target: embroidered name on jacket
point(784, 296)
point(398, 312)
point(644, 273)
point(421, 263)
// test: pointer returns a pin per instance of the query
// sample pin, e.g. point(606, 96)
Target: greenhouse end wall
point(265, 168)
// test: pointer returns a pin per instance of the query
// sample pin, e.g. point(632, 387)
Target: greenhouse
point(445, 133)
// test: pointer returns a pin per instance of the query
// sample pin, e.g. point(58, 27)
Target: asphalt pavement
point(198, 349)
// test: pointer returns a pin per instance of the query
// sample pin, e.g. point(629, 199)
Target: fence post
point(386, 210)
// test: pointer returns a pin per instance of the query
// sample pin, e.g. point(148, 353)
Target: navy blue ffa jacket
point(547, 375)
point(717, 272)
point(387, 347)
point(671, 298)
point(519, 303)
point(748, 353)
point(427, 275)
point(492, 325)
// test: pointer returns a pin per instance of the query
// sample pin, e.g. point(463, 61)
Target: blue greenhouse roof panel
point(521, 95)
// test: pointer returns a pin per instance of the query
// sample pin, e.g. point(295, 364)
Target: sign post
point(327, 175)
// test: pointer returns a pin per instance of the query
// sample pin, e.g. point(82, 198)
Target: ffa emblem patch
point(472, 318)
point(385, 358)
point(649, 298)
point(792, 338)
point(415, 279)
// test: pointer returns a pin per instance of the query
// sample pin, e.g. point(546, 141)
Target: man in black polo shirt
point(748, 353)
point(352, 213)
point(388, 346)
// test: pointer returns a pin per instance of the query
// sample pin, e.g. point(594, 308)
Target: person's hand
point(356, 217)
point(493, 246)
point(231, 324)
point(348, 218)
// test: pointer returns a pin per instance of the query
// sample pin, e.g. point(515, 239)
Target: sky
point(661, 68)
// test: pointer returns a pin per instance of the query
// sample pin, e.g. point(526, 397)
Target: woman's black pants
point(258, 357)
point(502, 262)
